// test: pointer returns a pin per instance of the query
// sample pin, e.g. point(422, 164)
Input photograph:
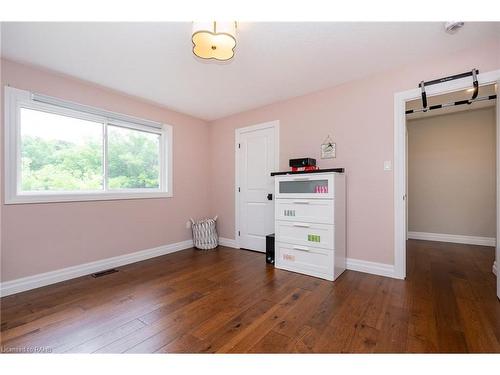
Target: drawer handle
point(301, 179)
point(301, 202)
point(302, 225)
point(301, 248)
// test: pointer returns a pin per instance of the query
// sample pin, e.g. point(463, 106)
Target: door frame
point(400, 99)
point(237, 136)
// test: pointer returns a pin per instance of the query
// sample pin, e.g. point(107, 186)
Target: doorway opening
point(441, 86)
point(451, 186)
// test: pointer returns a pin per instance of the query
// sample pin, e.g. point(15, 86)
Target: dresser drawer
point(305, 210)
point(305, 259)
point(314, 186)
point(306, 234)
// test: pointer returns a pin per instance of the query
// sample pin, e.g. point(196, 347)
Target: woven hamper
point(205, 233)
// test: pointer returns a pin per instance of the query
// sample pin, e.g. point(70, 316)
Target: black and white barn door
point(257, 156)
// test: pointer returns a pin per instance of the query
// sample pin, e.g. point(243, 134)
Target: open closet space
point(452, 209)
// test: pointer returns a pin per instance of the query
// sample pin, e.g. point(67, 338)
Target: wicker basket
point(205, 233)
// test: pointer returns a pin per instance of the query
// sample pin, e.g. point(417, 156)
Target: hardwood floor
point(229, 301)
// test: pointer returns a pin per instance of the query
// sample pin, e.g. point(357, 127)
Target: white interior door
point(497, 253)
point(257, 158)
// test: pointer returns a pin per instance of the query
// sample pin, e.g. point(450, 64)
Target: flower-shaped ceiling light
point(214, 40)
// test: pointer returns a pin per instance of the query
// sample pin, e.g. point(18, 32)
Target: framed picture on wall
point(328, 149)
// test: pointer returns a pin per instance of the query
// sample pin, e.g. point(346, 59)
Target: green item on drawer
point(313, 238)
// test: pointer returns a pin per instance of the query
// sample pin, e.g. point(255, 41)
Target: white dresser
point(310, 225)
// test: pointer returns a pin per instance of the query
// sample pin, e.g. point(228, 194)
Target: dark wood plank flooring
point(229, 301)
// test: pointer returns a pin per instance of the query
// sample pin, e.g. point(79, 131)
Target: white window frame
point(16, 99)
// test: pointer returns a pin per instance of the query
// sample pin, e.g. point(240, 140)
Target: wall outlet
point(188, 224)
point(387, 165)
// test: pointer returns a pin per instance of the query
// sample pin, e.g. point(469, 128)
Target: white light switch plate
point(387, 165)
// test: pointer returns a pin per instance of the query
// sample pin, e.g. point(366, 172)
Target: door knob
point(269, 197)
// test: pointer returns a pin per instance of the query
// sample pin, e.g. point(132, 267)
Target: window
point(61, 151)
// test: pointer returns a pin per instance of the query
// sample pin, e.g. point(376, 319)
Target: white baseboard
point(380, 269)
point(37, 281)
point(470, 240)
point(495, 267)
point(228, 242)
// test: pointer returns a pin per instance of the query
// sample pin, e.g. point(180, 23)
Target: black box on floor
point(270, 248)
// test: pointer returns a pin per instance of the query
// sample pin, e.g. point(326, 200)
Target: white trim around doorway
point(237, 134)
point(400, 99)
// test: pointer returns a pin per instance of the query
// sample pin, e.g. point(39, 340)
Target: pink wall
point(359, 117)
point(38, 238)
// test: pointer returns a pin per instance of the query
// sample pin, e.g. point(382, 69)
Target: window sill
point(71, 197)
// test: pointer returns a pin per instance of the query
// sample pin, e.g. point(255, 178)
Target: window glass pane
point(133, 159)
point(60, 153)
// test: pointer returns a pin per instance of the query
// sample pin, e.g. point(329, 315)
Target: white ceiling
point(273, 61)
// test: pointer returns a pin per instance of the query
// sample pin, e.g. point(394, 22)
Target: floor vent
point(104, 273)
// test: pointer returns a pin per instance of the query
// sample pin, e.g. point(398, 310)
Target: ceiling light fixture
point(214, 40)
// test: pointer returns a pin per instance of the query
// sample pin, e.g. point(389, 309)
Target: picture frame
point(328, 149)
